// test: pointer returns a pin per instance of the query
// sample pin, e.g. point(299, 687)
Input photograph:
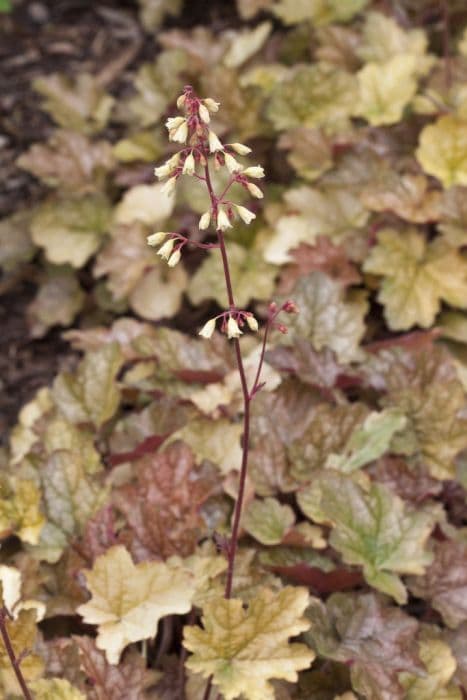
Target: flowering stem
point(14, 661)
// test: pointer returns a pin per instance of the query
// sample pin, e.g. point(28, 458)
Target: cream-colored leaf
point(442, 150)
point(145, 203)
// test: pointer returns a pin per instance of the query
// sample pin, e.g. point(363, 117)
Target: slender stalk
point(14, 660)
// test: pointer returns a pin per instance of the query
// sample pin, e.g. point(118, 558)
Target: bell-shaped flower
point(174, 258)
point(189, 165)
point(178, 129)
point(223, 222)
point(166, 250)
point(252, 322)
point(208, 329)
point(233, 330)
point(168, 167)
point(204, 114)
point(214, 143)
point(156, 238)
point(233, 165)
point(211, 104)
point(169, 186)
point(245, 214)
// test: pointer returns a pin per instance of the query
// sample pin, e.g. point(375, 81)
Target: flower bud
point(174, 258)
point(232, 164)
point(205, 220)
point(181, 101)
point(166, 168)
point(254, 171)
point(252, 322)
point(208, 329)
point(245, 214)
point(189, 165)
point(254, 191)
point(204, 114)
point(214, 143)
point(233, 331)
point(166, 250)
point(282, 329)
point(156, 238)
point(240, 148)
point(223, 222)
point(212, 105)
point(290, 307)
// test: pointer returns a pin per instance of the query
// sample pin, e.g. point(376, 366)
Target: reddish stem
point(14, 661)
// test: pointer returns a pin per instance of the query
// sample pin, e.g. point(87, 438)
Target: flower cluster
point(201, 144)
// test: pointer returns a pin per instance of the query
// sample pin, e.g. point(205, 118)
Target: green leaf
point(317, 95)
point(129, 599)
point(327, 318)
point(442, 150)
point(91, 394)
point(386, 89)
point(417, 276)
point(16, 246)
point(157, 85)
point(371, 527)
point(158, 294)
point(246, 43)
point(71, 230)
point(267, 520)
point(78, 103)
point(327, 435)
point(252, 278)
point(218, 441)
point(57, 302)
point(368, 442)
point(243, 649)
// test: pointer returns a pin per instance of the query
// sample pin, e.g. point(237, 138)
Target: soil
point(38, 38)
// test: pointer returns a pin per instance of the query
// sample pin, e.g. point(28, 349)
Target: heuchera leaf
point(317, 11)
point(444, 583)
point(383, 39)
point(90, 395)
point(244, 649)
point(408, 196)
point(57, 302)
point(317, 95)
point(20, 512)
point(440, 665)
point(22, 632)
point(71, 230)
point(55, 689)
point(442, 151)
point(386, 89)
point(371, 527)
point(127, 680)
point(128, 600)
point(268, 521)
point(377, 641)
point(80, 104)
point(417, 277)
point(327, 318)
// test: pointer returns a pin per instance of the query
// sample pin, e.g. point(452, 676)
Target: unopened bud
point(204, 114)
point(254, 171)
point(205, 220)
point(254, 191)
point(156, 238)
point(281, 328)
point(240, 148)
point(252, 322)
point(290, 307)
point(212, 105)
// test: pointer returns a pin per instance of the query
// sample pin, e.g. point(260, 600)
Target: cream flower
point(214, 143)
point(233, 331)
point(208, 329)
point(245, 214)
